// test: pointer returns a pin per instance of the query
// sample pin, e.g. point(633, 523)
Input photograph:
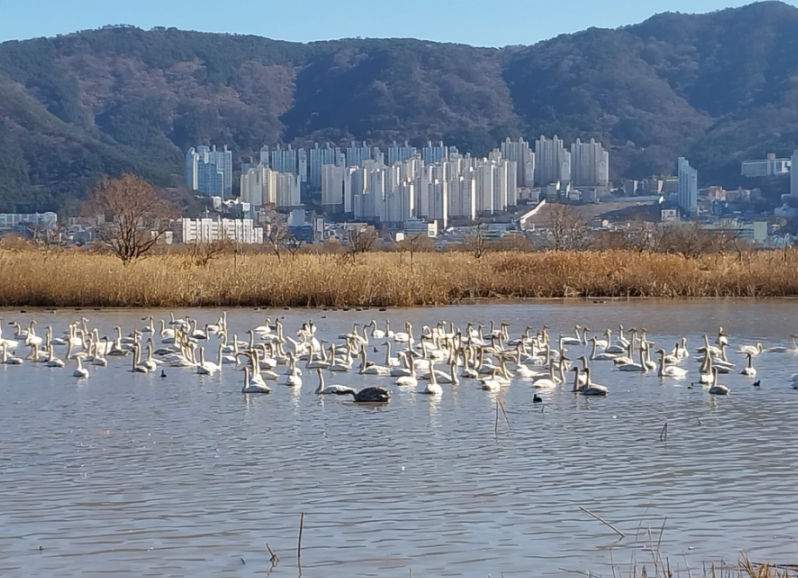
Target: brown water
point(134, 475)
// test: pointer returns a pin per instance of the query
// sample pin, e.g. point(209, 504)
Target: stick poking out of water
point(274, 557)
point(299, 541)
point(603, 521)
point(663, 434)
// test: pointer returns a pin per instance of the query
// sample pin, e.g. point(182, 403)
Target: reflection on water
point(181, 476)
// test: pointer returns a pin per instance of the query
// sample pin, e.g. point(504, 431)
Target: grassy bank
point(72, 278)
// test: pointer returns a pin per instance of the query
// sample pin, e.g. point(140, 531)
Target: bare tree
point(414, 244)
point(135, 216)
point(277, 238)
point(691, 241)
point(46, 238)
point(477, 244)
point(568, 230)
point(293, 246)
point(360, 240)
point(204, 253)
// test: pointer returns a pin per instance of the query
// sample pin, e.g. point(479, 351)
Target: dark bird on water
point(163, 373)
point(537, 399)
point(372, 395)
point(756, 383)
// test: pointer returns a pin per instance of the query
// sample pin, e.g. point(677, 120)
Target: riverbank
point(70, 278)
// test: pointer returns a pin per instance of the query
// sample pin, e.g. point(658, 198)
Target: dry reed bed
point(80, 279)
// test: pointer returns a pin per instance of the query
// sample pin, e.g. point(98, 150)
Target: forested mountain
point(717, 88)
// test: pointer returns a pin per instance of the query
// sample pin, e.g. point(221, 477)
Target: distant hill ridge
point(716, 87)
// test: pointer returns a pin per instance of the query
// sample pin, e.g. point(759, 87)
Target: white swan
point(588, 388)
point(706, 372)
point(594, 356)
point(52, 360)
point(332, 389)
point(378, 333)
point(251, 386)
point(547, 382)
point(717, 389)
point(636, 367)
point(572, 340)
point(492, 383)
point(99, 353)
point(207, 367)
point(366, 369)
point(752, 349)
point(8, 360)
point(137, 367)
point(669, 370)
point(294, 378)
point(432, 388)
point(80, 372)
point(793, 348)
point(409, 380)
point(749, 370)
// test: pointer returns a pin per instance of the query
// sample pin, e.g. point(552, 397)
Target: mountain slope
point(716, 87)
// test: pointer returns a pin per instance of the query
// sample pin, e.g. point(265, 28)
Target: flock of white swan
point(490, 358)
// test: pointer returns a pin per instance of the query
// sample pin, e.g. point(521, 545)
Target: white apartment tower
point(287, 194)
point(318, 158)
point(590, 164)
point(524, 158)
point(688, 186)
point(259, 186)
point(552, 162)
point(332, 187)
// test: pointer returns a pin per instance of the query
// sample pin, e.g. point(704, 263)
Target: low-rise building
point(769, 167)
point(209, 230)
point(14, 220)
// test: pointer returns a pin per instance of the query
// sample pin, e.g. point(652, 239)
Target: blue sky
point(477, 22)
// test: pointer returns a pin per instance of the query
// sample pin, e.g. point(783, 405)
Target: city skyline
point(511, 22)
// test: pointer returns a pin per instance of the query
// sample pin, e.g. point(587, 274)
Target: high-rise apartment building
point(552, 162)
point(688, 186)
point(284, 160)
point(398, 153)
point(332, 187)
point(433, 153)
point(328, 155)
point(590, 164)
point(209, 171)
point(356, 154)
point(524, 158)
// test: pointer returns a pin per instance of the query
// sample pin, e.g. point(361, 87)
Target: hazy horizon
point(509, 22)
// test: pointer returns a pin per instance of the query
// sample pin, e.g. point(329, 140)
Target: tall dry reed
point(74, 278)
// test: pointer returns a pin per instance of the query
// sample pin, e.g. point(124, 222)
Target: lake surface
point(135, 475)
